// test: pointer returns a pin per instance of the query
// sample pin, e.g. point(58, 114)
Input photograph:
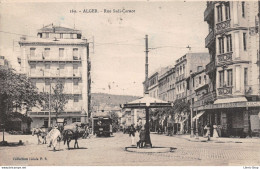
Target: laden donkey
point(40, 133)
point(73, 134)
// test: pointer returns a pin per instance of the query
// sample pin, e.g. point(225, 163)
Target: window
point(76, 82)
point(193, 82)
point(45, 122)
point(75, 52)
point(47, 66)
point(32, 52)
point(245, 76)
point(221, 78)
point(75, 66)
point(47, 35)
point(205, 79)
point(76, 99)
point(221, 44)
point(199, 68)
point(62, 66)
point(71, 36)
point(229, 43)
point(243, 9)
point(46, 52)
point(47, 82)
point(229, 77)
point(61, 35)
point(244, 40)
point(61, 52)
point(227, 10)
point(220, 16)
point(200, 80)
point(33, 83)
point(77, 119)
point(33, 66)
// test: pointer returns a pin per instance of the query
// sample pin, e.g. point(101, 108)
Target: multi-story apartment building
point(163, 83)
point(233, 46)
point(187, 64)
point(153, 85)
point(171, 84)
point(59, 54)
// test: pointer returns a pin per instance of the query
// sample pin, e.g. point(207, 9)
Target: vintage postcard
point(129, 83)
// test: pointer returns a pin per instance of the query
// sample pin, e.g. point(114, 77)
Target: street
point(111, 151)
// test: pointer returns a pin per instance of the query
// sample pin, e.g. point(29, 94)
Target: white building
point(58, 54)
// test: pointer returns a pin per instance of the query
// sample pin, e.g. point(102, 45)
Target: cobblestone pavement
point(110, 151)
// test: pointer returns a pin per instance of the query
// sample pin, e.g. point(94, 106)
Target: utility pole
point(258, 59)
point(146, 64)
point(49, 123)
point(147, 125)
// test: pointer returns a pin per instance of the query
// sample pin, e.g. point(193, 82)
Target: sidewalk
point(218, 140)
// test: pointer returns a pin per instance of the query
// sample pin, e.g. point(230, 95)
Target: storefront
point(237, 119)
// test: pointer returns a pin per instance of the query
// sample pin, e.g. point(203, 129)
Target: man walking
point(132, 134)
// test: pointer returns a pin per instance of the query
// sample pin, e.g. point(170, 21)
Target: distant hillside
point(109, 100)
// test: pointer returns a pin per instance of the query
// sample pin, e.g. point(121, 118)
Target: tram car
point(102, 126)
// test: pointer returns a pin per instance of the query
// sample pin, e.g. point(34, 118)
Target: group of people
point(215, 132)
point(141, 131)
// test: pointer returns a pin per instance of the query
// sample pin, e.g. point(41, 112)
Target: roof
point(147, 101)
point(57, 29)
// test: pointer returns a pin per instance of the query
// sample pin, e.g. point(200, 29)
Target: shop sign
point(253, 104)
point(225, 105)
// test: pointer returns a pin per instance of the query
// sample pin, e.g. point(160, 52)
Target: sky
point(117, 41)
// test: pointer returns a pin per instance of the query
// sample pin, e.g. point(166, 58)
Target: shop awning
point(230, 100)
point(198, 115)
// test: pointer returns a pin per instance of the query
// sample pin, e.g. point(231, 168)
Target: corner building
point(233, 44)
point(58, 54)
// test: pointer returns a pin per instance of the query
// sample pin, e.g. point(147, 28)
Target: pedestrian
point(207, 127)
point(132, 134)
point(141, 142)
point(215, 132)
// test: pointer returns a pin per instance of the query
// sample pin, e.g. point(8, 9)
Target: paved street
point(110, 151)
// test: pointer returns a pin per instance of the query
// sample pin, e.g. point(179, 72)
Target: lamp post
point(191, 123)
point(197, 131)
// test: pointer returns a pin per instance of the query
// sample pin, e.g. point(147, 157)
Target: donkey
point(40, 133)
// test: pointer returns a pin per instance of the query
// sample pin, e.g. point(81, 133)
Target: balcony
point(210, 67)
point(224, 90)
point(209, 97)
point(222, 26)
point(209, 10)
point(226, 57)
point(209, 39)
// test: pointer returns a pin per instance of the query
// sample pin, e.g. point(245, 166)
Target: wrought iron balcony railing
point(224, 90)
point(221, 26)
point(210, 38)
point(226, 57)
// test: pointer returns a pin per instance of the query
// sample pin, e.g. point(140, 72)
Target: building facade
point(233, 44)
point(153, 85)
point(59, 54)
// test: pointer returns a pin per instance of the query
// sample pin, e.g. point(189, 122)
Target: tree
point(115, 118)
point(58, 99)
point(182, 109)
point(16, 92)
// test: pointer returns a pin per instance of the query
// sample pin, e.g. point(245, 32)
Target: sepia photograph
point(129, 83)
